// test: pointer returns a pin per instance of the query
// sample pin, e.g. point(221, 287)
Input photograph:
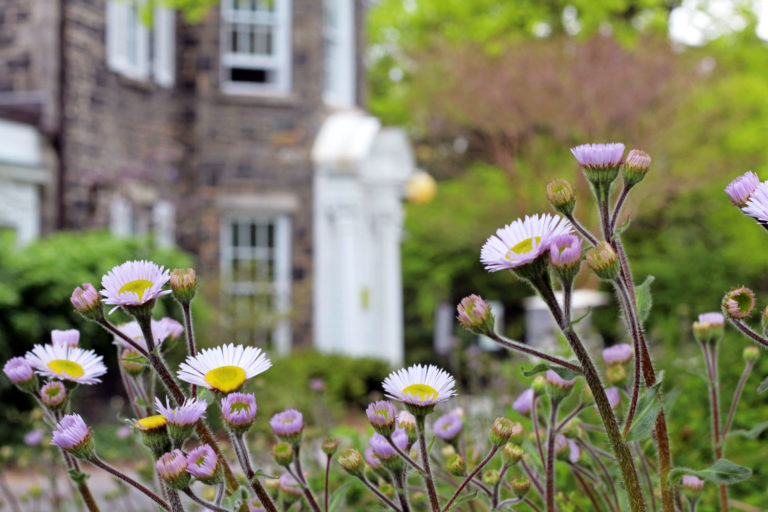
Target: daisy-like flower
point(33, 437)
point(86, 301)
point(134, 283)
point(522, 242)
point(67, 363)
point(182, 419)
point(19, 371)
point(757, 204)
point(524, 402)
point(288, 425)
point(133, 331)
point(73, 436)
point(53, 394)
point(599, 156)
point(710, 327)
point(448, 426)
point(474, 314)
point(382, 416)
point(66, 338)
point(203, 464)
point(371, 458)
point(224, 368)
point(381, 447)
point(173, 328)
point(617, 354)
point(154, 433)
point(172, 468)
point(740, 189)
point(239, 411)
point(420, 387)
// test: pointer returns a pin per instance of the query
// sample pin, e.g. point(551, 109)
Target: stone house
point(241, 138)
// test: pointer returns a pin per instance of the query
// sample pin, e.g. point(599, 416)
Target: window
point(136, 218)
point(339, 50)
point(255, 46)
point(134, 48)
point(255, 265)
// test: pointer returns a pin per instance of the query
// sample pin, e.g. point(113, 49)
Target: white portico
point(360, 174)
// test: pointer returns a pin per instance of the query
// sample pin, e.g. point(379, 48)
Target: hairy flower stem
point(633, 327)
point(379, 494)
point(497, 487)
point(520, 347)
point(402, 491)
point(205, 504)
point(532, 477)
point(243, 458)
point(619, 447)
point(300, 473)
point(429, 480)
point(82, 486)
point(130, 481)
point(549, 467)
point(618, 206)
point(404, 455)
point(748, 332)
point(174, 500)
point(737, 397)
point(469, 477)
point(535, 421)
point(584, 485)
point(327, 475)
point(190, 335)
point(710, 357)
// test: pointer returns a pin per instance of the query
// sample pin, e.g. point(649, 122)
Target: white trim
point(164, 55)
point(340, 65)
point(278, 63)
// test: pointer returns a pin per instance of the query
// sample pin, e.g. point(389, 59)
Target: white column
point(390, 287)
point(347, 313)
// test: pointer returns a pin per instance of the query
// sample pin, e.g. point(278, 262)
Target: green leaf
point(565, 373)
point(582, 317)
point(752, 433)
point(623, 227)
point(643, 298)
point(721, 472)
point(78, 476)
point(763, 387)
point(337, 497)
point(463, 499)
point(648, 407)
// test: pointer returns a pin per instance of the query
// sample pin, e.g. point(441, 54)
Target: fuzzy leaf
point(643, 298)
point(565, 373)
point(648, 407)
point(721, 472)
point(623, 227)
point(752, 433)
point(763, 387)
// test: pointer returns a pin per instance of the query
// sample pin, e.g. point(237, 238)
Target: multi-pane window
point(255, 46)
point(136, 48)
point(339, 51)
point(255, 265)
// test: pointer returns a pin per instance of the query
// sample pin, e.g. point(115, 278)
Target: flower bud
point(692, 486)
point(511, 454)
point(560, 196)
point(133, 362)
point(599, 162)
point(565, 256)
point(739, 302)
point(502, 429)
point(239, 412)
point(387, 490)
point(73, 436)
point(53, 394)
point(172, 468)
point(474, 314)
point(636, 166)
point(618, 354)
point(352, 462)
point(709, 328)
point(557, 387)
point(456, 465)
point(603, 261)
point(490, 477)
point(203, 464)
point(283, 453)
point(523, 403)
point(154, 433)
point(751, 353)
point(183, 283)
point(741, 189)
point(288, 426)
point(382, 416)
point(330, 446)
point(87, 302)
point(20, 373)
point(407, 422)
point(616, 374)
point(272, 485)
point(520, 487)
point(539, 385)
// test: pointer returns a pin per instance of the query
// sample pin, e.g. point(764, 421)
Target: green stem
point(550, 465)
point(428, 479)
point(469, 477)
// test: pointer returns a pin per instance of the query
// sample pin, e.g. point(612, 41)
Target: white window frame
point(279, 64)
point(282, 260)
point(339, 61)
point(154, 47)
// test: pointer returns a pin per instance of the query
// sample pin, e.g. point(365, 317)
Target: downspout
point(58, 139)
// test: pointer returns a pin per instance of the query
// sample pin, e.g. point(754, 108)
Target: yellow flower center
point(422, 391)
point(66, 367)
point(200, 460)
point(152, 422)
point(226, 378)
point(523, 247)
point(138, 287)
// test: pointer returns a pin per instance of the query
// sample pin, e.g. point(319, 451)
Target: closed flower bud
point(520, 487)
point(283, 453)
point(456, 465)
point(511, 454)
point(692, 486)
point(132, 362)
point(557, 387)
point(352, 462)
point(330, 446)
point(709, 328)
point(599, 162)
point(73, 436)
point(474, 314)
point(636, 166)
point(561, 197)
point(203, 464)
point(382, 416)
point(154, 433)
point(407, 422)
point(539, 385)
point(387, 490)
point(603, 261)
point(490, 477)
point(501, 430)
point(751, 354)
point(53, 394)
point(87, 301)
point(183, 284)
point(20, 373)
point(742, 188)
point(272, 485)
point(565, 256)
point(739, 302)
point(616, 374)
point(172, 468)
